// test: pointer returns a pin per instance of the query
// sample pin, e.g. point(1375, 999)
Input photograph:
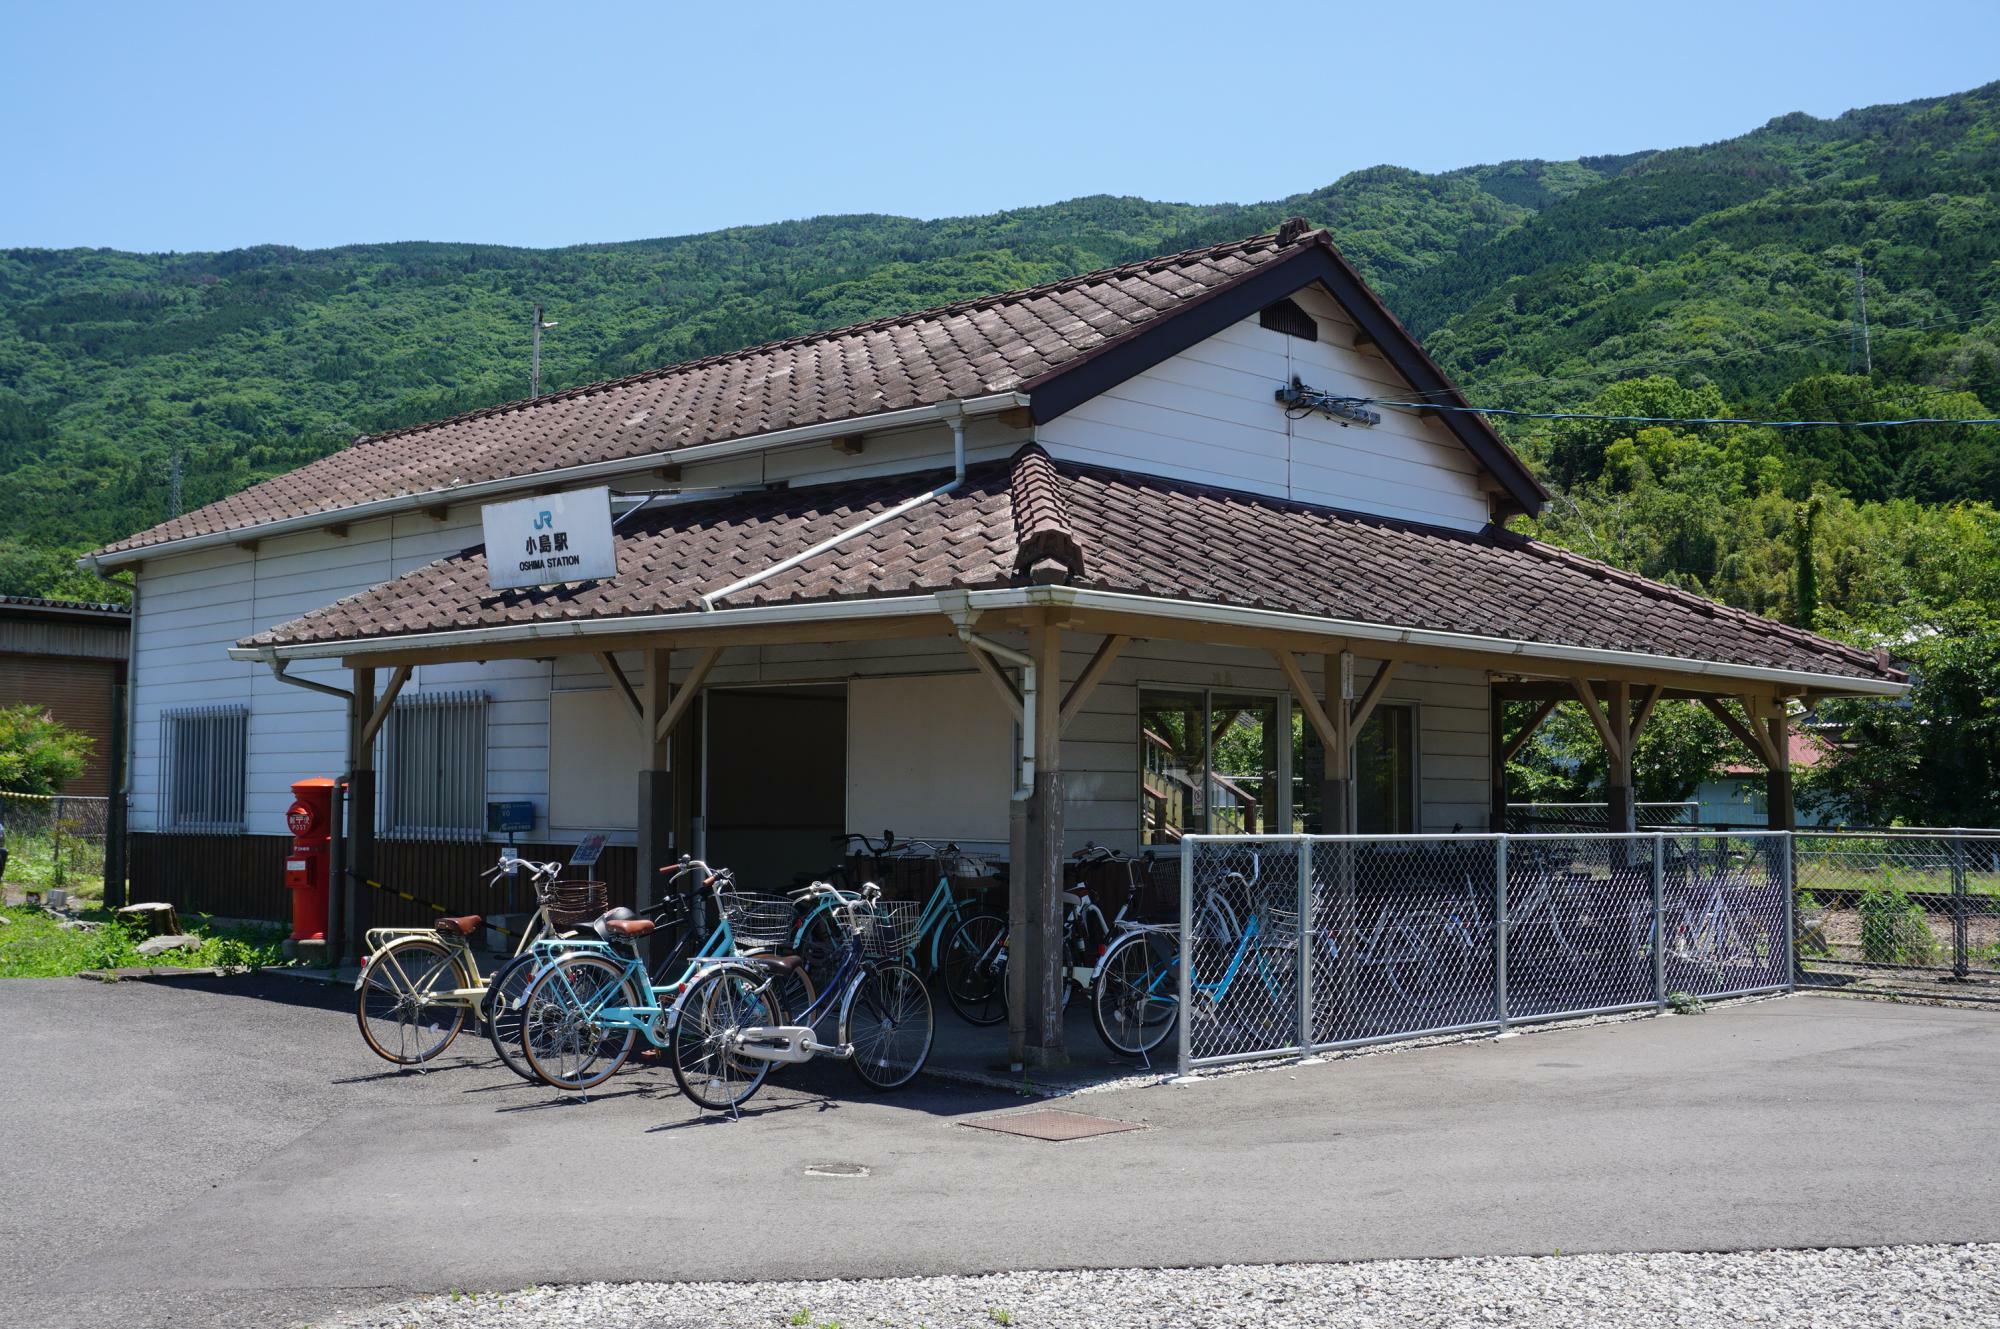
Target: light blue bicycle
point(590, 1000)
point(819, 936)
point(728, 1027)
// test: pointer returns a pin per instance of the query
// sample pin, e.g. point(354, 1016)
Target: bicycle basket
point(575, 904)
point(888, 928)
point(758, 920)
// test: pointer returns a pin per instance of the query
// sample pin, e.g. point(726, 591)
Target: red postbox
point(308, 867)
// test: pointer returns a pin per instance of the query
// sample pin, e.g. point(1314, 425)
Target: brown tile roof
point(970, 349)
point(1106, 530)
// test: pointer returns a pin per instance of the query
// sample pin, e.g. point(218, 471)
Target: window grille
point(433, 765)
point(201, 759)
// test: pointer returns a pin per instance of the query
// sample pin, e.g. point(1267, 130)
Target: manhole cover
point(836, 1170)
point(1054, 1124)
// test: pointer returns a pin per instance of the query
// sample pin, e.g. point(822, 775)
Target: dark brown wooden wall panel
point(78, 693)
point(236, 876)
point(242, 876)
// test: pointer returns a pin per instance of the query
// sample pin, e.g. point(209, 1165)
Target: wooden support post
point(1779, 814)
point(994, 674)
point(1613, 721)
point(1620, 805)
point(360, 856)
point(1036, 959)
point(1093, 674)
point(1336, 797)
point(655, 824)
point(380, 715)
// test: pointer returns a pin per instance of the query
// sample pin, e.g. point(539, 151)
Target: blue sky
point(209, 126)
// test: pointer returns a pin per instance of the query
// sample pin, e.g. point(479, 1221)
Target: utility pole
point(174, 485)
point(1861, 309)
point(535, 364)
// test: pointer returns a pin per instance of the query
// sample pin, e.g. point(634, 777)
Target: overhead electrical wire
point(1666, 419)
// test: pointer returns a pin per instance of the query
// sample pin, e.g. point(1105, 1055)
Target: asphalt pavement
point(224, 1151)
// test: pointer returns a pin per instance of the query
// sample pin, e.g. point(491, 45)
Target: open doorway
point(775, 788)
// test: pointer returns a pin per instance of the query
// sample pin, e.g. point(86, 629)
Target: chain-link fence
point(1923, 900)
point(54, 841)
point(1295, 944)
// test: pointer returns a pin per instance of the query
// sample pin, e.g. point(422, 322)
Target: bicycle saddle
point(621, 922)
point(776, 964)
point(463, 926)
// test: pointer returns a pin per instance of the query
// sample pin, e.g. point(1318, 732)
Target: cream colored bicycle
point(418, 985)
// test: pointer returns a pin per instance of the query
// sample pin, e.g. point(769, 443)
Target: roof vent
point(1285, 316)
point(1292, 229)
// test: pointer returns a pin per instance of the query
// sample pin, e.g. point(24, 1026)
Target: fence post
point(1305, 979)
point(1500, 932)
point(1961, 962)
point(1660, 920)
point(55, 842)
point(1791, 870)
point(1187, 951)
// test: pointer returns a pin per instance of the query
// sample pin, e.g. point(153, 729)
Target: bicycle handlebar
point(888, 842)
point(507, 867)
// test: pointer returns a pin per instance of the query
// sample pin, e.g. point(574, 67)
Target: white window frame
point(204, 755)
point(431, 739)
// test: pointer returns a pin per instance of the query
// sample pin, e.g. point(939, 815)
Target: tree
point(1805, 563)
point(1577, 447)
point(37, 755)
point(1934, 758)
point(1681, 746)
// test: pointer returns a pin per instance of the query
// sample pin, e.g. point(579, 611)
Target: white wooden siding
point(1209, 415)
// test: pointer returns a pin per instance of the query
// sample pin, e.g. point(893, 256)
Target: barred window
point(201, 768)
point(434, 767)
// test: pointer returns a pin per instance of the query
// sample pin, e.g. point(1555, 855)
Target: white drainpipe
point(953, 412)
point(956, 605)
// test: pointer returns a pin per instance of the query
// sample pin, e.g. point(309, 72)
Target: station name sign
point(551, 540)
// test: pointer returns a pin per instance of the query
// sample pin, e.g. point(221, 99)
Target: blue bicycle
point(728, 1026)
point(591, 1000)
point(1256, 948)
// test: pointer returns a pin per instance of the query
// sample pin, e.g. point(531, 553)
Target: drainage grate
point(836, 1170)
point(1054, 1124)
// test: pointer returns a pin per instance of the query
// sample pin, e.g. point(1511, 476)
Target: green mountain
point(1728, 267)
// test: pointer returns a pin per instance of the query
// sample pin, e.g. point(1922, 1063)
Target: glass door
point(1211, 763)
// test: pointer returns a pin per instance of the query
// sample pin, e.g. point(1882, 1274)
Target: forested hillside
point(1696, 280)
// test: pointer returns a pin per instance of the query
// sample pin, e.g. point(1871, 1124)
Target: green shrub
point(1894, 928)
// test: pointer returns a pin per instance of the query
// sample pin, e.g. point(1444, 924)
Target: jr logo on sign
point(543, 520)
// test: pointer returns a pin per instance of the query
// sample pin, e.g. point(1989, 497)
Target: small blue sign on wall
point(510, 818)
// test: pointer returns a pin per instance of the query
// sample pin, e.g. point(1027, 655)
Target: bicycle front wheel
point(1137, 993)
point(975, 970)
point(405, 1008)
point(708, 1066)
point(564, 1035)
point(506, 998)
point(888, 1023)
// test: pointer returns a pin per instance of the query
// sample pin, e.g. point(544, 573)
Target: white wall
point(1209, 415)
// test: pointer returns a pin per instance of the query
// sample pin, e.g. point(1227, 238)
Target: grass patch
point(41, 860)
point(34, 945)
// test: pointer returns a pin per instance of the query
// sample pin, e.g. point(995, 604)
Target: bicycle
point(941, 916)
point(1125, 965)
point(590, 1002)
point(676, 915)
point(1249, 942)
point(728, 1030)
point(417, 985)
point(1713, 933)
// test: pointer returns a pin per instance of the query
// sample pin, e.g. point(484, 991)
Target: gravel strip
point(1905, 1286)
